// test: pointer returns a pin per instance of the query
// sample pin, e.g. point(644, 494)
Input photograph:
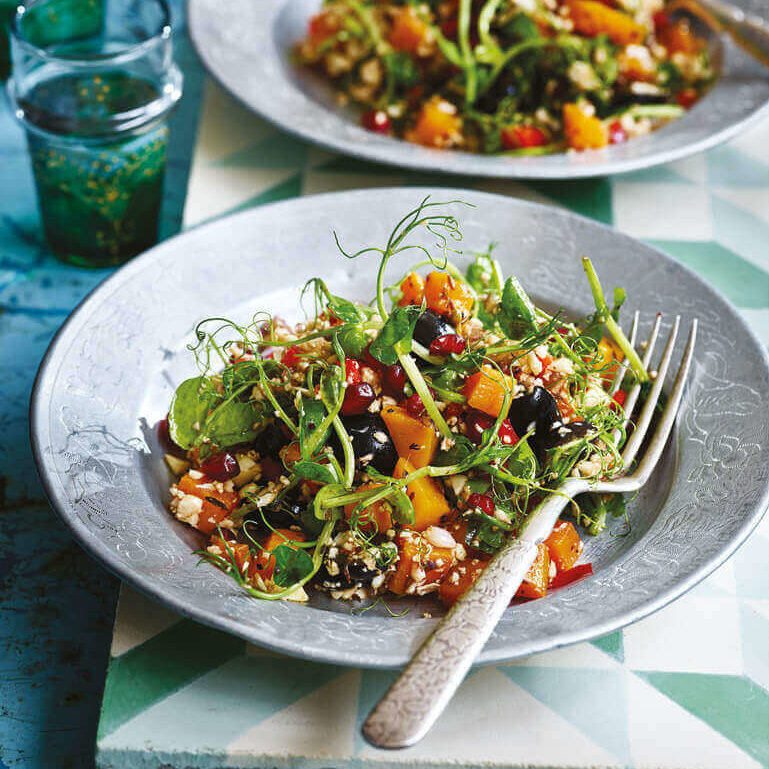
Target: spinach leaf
point(291, 565)
point(353, 341)
point(236, 422)
point(313, 471)
point(522, 463)
point(396, 334)
point(517, 309)
point(192, 401)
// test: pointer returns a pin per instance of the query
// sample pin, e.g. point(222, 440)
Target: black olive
point(371, 442)
point(560, 435)
point(352, 571)
point(358, 573)
point(281, 515)
point(430, 326)
point(537, 407)
point(270, 441)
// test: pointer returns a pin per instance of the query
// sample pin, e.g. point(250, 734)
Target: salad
point(393, 447)
point(523, 77)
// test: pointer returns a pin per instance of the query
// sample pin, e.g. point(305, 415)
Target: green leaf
point(291, 565)
point(402, 507)
point(517, 308)
point(398, 330)
point(521, 27)
point(402, 68)
point(313, 471)
point(192, 401)
point(353, 341)
point(311, 415)
point(236, 422)
point(344, 309)
point(522, 463)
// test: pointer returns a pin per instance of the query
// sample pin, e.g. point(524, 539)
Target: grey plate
point(246, 44)
point(111, 370)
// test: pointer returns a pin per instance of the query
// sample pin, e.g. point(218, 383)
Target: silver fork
point(422, 691)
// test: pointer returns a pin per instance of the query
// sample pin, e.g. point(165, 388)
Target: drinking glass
point(93, 83)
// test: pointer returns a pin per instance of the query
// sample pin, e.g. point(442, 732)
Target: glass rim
point(125, 53)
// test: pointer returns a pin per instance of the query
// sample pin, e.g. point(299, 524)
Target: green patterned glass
point(93, 84)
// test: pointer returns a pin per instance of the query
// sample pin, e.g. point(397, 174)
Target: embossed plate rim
point(259, 80)
point(323, 648)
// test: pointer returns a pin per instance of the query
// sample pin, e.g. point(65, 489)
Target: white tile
point(493, 722)
point(320, 725)
point(583, 655)
point(694, 634)
point(665, 736)
point(755, 200)
point(316, 181)
point(662, 211)
point(137, 619)
point(694, 168)
point(216, 190)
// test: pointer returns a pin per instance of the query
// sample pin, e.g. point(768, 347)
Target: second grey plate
point(246, 45)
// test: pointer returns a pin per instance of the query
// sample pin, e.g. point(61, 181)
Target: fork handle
point(747, 30)
point(422, 691)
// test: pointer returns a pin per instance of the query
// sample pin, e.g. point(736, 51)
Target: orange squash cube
point(415, 438)
point(538, 576)
point(430, 506)
point(413, 289)
point(448, 296)
point(485, 390)
point(583, 131)
point(593, 18)
point(409, 33)
point(454, 586)
point(680, 38)
point(438, 124)
point(414, 554)
point(564, 545)
point(217, 504)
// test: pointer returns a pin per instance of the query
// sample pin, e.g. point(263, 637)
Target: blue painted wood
point(56, 604)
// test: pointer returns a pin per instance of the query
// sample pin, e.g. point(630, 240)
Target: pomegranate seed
point(357, 398)
point(448, 343)
point(414, 405)
point(352, 371)
point(619, 397)
point(227, 535)
point(660, 20)
point(222, 467)
point(483, 502)
point(376, 120)
point(270, 468)
point(394, 380)
point(617, 134)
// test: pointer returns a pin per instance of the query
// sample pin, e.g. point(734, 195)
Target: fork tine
point(623, 367)
point(660, 437)
point(632, 396)
point(645, 418)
